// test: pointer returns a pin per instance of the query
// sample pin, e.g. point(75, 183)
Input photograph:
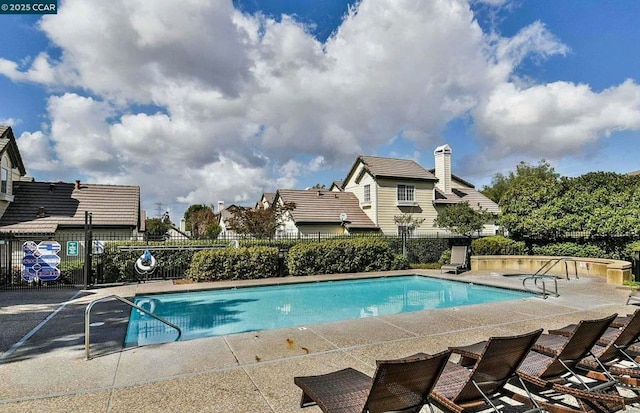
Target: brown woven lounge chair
point(550, 374)
point(398, 385)
point(460, 389)
point(609, 358)
point(458, 261)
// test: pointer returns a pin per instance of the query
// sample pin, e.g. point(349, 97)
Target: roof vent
point(42, 212)
point(52, 187)
point(77, 185)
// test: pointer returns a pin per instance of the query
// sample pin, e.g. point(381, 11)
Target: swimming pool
point(220, 312)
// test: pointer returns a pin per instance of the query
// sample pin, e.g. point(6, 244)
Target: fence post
point(88, 247)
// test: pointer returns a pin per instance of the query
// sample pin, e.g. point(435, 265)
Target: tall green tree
point(258, 222)
point(202, 222)
point(461, 219)
point(502, 183)
point(157, 228)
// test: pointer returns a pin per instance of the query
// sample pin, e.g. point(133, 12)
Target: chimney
point(220, 206)
point(77, 185)
point(442, 156)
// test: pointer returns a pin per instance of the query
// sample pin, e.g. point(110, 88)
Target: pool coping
point(251, 371)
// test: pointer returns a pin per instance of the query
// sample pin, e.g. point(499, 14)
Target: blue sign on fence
point(40, 261)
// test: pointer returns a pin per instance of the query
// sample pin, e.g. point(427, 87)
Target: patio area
point(43, 366)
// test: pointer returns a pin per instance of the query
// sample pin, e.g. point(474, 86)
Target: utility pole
point(160, 209)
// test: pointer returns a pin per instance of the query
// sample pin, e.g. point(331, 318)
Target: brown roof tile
point(110, 206)
point(324, 207)
point(475, 198)
point(393, 168)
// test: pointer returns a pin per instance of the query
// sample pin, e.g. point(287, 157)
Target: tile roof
point(114, 206)
point(392, 168)
point(324, 207)
point(471, 195)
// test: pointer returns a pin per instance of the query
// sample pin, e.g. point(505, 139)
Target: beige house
point(11, 167)
point(388, 188)
point(324, 212)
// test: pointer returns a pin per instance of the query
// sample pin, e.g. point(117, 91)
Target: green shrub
point(630, 250)
point(445, 257)
point(569, 249)
point(497, 245)
point(340, 256)
point(244, 263)
point(420, 250)
point(400, 262)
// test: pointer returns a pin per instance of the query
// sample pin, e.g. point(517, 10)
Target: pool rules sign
point(40, 261)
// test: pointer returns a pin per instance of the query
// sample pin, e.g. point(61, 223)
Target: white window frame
point(366, 200)
point(410, 230)
point(5, 179)
point(405, 194)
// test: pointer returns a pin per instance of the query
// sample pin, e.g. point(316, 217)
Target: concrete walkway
point(43, 366)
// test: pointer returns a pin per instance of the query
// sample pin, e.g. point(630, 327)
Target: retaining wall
point(615, 271)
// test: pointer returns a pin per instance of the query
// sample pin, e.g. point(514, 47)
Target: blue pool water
point(219, 312)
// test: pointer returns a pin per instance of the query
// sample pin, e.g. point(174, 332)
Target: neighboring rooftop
point(475, 199)
point(324, 207)
point(392, 168)
point(46, 206)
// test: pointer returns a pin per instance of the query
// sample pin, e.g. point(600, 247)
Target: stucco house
point(388, 187)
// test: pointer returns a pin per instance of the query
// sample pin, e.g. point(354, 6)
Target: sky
point(201, 101)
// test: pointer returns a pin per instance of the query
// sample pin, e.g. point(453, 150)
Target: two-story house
point(387, 188)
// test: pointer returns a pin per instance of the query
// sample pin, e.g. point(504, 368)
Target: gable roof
point(8, 144)
point(325, 207)
point(475, 198)
point(391, 168)
point(48, 206)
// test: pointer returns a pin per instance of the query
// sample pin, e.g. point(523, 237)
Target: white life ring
point(146, 268)
point(150, 301)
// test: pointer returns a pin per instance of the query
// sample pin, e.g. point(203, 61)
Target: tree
point(157, 228)
point(202, 222)
point(501, 184)
point(409, 223)
point(461, 219)
point(258, 222)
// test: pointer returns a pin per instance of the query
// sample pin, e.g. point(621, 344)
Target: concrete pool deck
point(43, 366)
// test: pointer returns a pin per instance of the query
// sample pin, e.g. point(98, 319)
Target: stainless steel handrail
point(87, 319)
point(535, 279)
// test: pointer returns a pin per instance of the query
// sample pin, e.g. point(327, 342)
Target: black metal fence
point(87, 258)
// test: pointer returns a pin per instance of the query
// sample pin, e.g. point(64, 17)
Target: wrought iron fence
point(87, 258)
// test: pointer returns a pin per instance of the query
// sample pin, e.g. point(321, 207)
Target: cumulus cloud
point(198, 102)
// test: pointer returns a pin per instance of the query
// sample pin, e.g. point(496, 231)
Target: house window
point(406, 194)
point(367, 194)
point(406, 230)
point(4, 176)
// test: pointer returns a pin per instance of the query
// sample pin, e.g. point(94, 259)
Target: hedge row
point(244, 263)
point(497, 245)
point(341, 256)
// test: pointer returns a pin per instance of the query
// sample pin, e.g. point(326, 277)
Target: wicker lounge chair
point(398, 385)
point(460, 389)
point(610, 358)
point(458, 260)
point(553, 375)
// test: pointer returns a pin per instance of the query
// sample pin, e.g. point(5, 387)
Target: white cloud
point(556, 119)
point(244, 104)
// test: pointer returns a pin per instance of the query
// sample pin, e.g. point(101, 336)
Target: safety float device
point(146, 264)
